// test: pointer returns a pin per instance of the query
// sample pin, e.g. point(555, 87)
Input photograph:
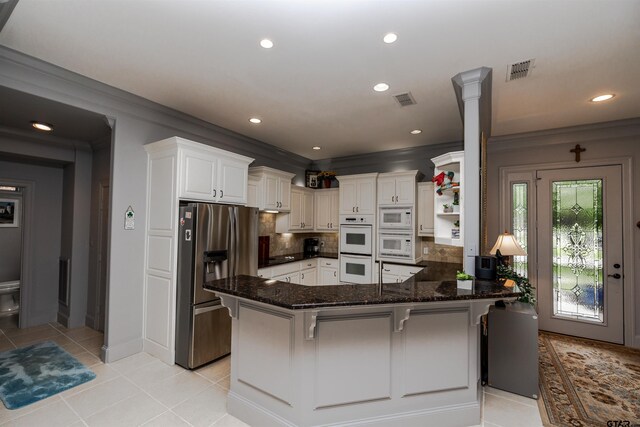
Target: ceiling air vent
point(405, 99)
point(519, 70)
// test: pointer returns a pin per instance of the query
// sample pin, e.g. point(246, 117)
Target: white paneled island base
point(414, 364)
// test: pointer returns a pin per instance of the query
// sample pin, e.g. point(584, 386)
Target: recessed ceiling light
point(316, 148)
point(42, 126)
point(266, 43)
point(381, 87)
point(255, 120)
point(416, 131)
point(390, 38)
point(601, 98)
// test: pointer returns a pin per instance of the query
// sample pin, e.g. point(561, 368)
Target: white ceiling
point(315, 86)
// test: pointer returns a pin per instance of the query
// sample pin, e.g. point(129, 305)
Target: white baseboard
point(161, 352)
point(453, 415)
point(112, 353)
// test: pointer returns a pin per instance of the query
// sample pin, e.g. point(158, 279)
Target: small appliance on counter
point(486, 267)
point(311, 246)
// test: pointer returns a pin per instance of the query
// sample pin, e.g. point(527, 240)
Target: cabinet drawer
point(328, 262)
point(400, 270)
point(309, 263)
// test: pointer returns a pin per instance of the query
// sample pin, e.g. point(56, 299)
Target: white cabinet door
point(252, 192)
point(323, 207)
point(271, 192)
point(405, 190)
point(232, 182)
point(296, 214)
point(307, 211)
point(294, 278)
point(199, 176)
point(328, 276)
point(334, 224)
point(284, 194)
point(425, 209)
point(390, 278)
point(264, 273)
point(308, 277)
point(366, 196)
point(348, 196)
point(386, 191)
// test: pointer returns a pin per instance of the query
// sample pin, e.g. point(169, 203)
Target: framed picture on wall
point(9, 212)
point(311, 178)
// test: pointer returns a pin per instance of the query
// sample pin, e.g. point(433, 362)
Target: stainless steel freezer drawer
point(513, 349)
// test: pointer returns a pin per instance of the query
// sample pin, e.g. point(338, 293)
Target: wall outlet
point(322, 243)
point(425, 251)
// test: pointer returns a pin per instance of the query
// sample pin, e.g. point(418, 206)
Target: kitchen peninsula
point(375, 354)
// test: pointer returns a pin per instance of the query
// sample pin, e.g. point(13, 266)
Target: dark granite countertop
point(425, 286)
point(283, 259)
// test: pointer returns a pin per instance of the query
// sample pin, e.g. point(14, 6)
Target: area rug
point(35, 372)
point(588, 383)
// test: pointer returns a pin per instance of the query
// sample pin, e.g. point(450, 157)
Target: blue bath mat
point(33, 373)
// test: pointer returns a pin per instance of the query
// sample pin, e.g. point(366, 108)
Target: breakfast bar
point(380, 354)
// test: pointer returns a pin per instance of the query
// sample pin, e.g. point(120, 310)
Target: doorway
point(102, 255)
point(580, 252)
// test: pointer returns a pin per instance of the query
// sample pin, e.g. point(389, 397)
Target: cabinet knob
point(615, 276)
point(357, 209)
point(214, 193)
point(353, 209)
point(302, 276)
point(420, 227)
point(331, 225)
point(221, 194)
point(335, 274)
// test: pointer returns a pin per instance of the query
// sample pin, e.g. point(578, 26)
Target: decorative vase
point(465, 284)
point(326, 183)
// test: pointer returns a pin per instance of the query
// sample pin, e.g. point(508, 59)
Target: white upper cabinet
point(211, 175)
point(327, 204)
point(252, 192)
point(425, 208)
point(397, 188)
point(358, 193)
point(301, 216)
point(274, 188)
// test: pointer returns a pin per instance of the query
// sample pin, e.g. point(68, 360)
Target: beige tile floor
point(142, 391)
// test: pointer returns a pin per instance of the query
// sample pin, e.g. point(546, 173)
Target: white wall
point(46, 231)
point(602, 141)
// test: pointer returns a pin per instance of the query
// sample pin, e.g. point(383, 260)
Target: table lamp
point(506, 246)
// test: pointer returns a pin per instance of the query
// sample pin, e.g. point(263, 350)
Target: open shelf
point(444, 221)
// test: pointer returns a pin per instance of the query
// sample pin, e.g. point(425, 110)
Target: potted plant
point(465, 281)
point(528, 295)
point(447, 208)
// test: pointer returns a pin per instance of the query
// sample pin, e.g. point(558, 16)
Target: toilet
point(9, 297)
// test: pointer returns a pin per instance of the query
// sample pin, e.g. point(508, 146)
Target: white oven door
point(396, 245)
point(356, 269)
point(355, 239)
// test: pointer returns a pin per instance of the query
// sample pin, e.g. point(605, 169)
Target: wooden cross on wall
point(577, 151)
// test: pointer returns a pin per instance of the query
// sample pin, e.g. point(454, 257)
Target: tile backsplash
point(442, 253)
point(290, 243)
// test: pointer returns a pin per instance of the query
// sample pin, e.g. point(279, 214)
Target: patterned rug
point(588, 383)
point(33, 373)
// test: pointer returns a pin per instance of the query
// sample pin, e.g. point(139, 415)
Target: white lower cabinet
point(392, 273)
point(309, 276)
point(313, 272)
point(293, 277)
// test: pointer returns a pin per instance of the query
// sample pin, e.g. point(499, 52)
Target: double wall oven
point(356, 248)
point(396, 235)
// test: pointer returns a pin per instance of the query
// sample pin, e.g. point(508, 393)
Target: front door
point(580, 271)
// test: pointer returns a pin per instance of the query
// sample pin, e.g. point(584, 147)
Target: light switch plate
point(425, 251)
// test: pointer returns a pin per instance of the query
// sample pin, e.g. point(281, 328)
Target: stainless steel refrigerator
point(216, 241)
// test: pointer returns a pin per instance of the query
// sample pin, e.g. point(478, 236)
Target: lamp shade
point(507, 245)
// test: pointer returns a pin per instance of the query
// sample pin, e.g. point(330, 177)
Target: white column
point(471, 84)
